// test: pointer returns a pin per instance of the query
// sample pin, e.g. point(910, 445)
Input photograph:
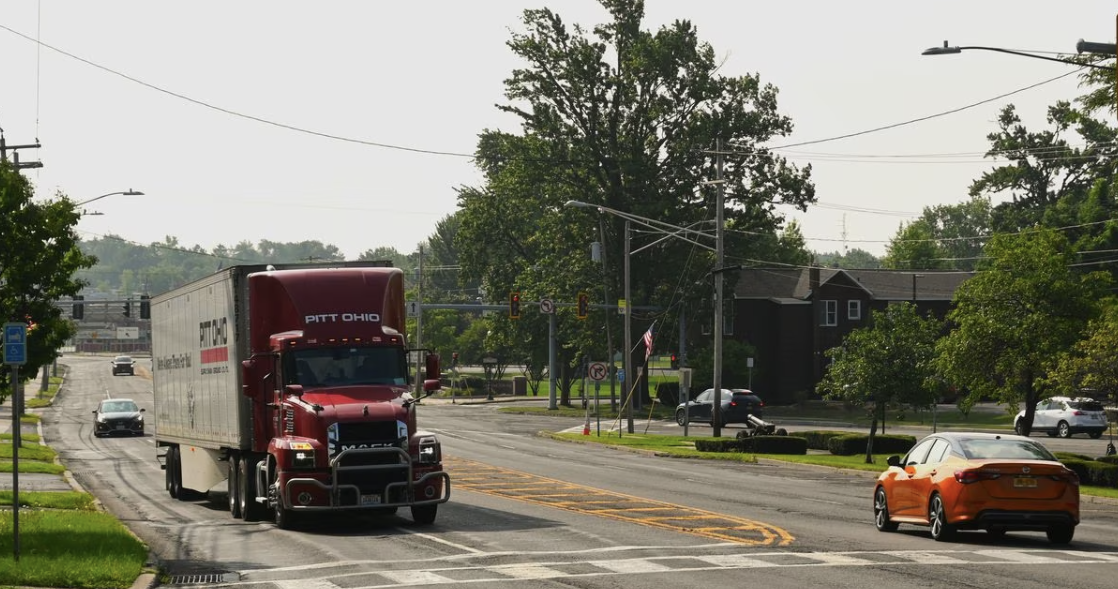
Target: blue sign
point(621, 374)
point(15, 343)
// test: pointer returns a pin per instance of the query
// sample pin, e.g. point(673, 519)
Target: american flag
point(648, 342)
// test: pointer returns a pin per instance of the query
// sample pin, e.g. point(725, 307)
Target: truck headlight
point(302, 459)
point(430, 451)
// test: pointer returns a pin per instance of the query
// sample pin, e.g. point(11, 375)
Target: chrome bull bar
point(381, 500)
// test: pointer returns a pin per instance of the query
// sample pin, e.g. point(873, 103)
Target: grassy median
point(65, 539)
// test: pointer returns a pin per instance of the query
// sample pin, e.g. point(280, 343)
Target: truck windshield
point(346, 366)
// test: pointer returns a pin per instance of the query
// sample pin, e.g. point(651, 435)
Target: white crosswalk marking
point(926, 557)
point(631, 566)
point(833, 558)
point(555, 565)
point(734, 560)
point(529, 572)
point(306, 584)
point(415, 577)
point(1018, 556)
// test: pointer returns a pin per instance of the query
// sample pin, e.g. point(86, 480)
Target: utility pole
point(16, 164)
point(419, 331)
point(716, 418)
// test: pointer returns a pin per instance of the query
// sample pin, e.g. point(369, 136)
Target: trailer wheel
point(424, 514)
point(251, 510)
point(174, 473)
point(233, 486)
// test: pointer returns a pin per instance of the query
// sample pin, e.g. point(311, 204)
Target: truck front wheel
point(424, 514)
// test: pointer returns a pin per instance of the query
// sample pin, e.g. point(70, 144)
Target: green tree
point(625, 118)
point(914, 248)
point(1093, 362)
point(39, 256)
point(1016, 317)
point(889, 361)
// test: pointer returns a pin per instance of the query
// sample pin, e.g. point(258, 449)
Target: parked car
point(1064, 417)
point(123, 365)
point(967, 481)
point(118, 416)
point(736, 404)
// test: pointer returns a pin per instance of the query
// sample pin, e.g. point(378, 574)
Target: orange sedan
point(976, 481)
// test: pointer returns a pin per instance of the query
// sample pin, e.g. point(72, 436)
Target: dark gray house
point(793, 315)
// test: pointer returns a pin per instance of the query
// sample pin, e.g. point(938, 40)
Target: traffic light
point(78, 310)
point(145, 307)
point(583, 305)
point(514, 305)
point(127, 310)
point(675, 361)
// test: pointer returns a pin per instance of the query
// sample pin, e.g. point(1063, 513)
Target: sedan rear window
point(981, 449)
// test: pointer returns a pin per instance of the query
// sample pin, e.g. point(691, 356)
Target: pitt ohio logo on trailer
point(213, 339)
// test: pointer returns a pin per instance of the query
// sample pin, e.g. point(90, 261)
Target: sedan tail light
point(1078, 413)
point(1068, 477)
point(967, 477)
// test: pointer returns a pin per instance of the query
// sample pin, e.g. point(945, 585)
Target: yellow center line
point(483, 478)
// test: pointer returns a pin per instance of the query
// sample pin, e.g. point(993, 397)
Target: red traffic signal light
point(583, 305)
point(514, 305)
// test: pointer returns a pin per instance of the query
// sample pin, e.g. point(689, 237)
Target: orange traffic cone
point(586, 426)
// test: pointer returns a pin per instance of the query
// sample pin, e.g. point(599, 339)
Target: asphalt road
point(532, 512)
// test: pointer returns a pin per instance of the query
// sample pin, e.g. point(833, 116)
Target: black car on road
point(118, 416)
point(736, 405)
point(123, 365)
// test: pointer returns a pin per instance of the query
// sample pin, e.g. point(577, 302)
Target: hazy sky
point(426, 76)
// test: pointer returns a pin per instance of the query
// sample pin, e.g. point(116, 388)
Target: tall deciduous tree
point(1016, 317)
point(39, 255)
point(626, 118)
point(890, 361)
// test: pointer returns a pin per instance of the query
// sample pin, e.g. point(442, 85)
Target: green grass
point(25, 437)
point(80, 549)
point(29, 452)
point(52, 500)
point(33, 466)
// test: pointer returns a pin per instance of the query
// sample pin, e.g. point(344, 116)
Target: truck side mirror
point(248, 372)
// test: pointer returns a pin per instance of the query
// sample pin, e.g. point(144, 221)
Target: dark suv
point(736, 404)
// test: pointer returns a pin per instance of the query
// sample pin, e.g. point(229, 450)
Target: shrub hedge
point(852, 444)
point(817, 440)
point(1093, 472)
point(754, 444)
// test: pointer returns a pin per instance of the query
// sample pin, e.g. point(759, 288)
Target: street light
point(947, 50)
point(668, 230)
point(128, 192)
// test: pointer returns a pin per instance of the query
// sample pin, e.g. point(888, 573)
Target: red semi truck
point(289, 384)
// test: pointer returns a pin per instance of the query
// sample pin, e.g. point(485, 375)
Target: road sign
point(15, 343)
point(547, 306)
point(621, 375)
point(414, 308)
point(128, 333)
point(598, 371)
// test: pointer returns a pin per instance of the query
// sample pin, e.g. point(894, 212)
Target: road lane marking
point(469, 475)
point(557, 565)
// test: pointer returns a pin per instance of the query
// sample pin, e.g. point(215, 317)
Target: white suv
point(1064, 416)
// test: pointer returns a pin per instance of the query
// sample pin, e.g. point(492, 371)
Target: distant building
point(793, 315)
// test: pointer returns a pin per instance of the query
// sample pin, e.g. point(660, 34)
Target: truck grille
point(369, 434)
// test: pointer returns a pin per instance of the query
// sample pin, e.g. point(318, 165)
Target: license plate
point(370, 499)
point(120, 427)
point(1024, 482)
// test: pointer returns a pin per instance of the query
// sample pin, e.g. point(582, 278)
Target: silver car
point(1066, 416)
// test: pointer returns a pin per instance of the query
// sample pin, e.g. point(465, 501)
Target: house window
point(830, 314)
point(854, 310)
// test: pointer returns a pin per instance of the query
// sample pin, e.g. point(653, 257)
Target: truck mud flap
point(390, 482)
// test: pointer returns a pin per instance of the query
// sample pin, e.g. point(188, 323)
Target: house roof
point(886, 285)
